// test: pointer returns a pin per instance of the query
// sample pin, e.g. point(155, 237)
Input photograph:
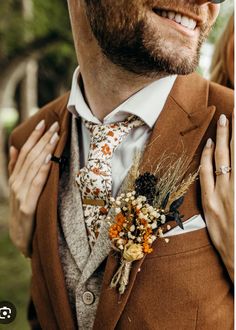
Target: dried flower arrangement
point(151, 200)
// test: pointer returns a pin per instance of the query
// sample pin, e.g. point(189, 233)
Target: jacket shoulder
point(51, 112)
point(222, 97)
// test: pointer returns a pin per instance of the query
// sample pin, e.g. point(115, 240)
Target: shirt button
point(88, 298)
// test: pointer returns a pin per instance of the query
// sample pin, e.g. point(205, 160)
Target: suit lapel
point(180, 127)
point(182, 123)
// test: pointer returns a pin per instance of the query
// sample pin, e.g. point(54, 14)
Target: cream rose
point(133, 252)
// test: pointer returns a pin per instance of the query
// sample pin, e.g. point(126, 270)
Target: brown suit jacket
point(182, 284)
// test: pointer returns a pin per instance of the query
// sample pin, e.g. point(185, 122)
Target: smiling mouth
point(187, 22)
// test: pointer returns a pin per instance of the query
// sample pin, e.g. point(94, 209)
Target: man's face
point(151, 37)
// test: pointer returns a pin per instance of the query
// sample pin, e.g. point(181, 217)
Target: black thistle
point(145, 185)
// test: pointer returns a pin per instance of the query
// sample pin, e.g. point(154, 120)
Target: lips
point(184, 20)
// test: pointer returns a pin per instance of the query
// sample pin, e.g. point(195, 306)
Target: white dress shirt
point(147, 104)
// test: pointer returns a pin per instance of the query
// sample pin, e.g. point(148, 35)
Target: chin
point(183, 62)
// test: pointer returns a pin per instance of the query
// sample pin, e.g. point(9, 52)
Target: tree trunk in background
point(29, 90)
point(8, 84)
point(27, 9)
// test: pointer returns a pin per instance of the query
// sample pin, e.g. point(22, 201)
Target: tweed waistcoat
point(71, 221)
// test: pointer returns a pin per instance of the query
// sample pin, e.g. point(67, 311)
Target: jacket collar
point(183, 122)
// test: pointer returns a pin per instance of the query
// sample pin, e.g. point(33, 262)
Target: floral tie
point(95, 179)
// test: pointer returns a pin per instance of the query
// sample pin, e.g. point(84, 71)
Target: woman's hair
point(219, 67)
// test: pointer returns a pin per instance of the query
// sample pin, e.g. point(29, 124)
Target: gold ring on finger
point(223, 169)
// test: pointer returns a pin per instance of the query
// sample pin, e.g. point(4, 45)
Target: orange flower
point(110, 133)
point(145, 236)
point(150, 250)
point(106, 149)
point(97, 191)
point(113, 232)
point(119, 228)
point(120, 218)
point(147, 248)
point(116, 228)
point(103, 210)
point(144, 222)
point(96, 170)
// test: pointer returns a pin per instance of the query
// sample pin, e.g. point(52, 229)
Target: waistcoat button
point(88, 298)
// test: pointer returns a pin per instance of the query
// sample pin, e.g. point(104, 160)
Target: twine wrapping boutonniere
point(140, 213)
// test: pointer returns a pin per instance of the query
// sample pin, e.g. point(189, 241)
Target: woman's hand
point(218, 191)
point(28, 172)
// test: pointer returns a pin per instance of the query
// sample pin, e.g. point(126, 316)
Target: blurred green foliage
point(14, 275)
point(47, 17)
point(225, 12)
point(48, 26)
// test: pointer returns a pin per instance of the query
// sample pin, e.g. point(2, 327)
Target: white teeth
point(171, 14)
point(181, 19)
point(192, 24)
point(185, 21)
point(177, 18)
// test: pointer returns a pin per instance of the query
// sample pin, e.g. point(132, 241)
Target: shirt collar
point(147, 103)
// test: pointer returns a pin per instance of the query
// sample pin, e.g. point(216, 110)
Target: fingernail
point(222, 120)
point(12, 148)
point(209, 143)
point(48, 158)
point(54, 127)
point(40, 125)
point(54, 138)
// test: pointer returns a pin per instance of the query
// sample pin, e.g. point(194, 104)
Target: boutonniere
point(140, 213)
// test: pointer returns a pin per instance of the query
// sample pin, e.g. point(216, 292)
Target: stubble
point(128, 39)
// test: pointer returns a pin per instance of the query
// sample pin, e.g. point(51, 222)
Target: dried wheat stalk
point(133, 172)
point(182, 188)
point(170, 173)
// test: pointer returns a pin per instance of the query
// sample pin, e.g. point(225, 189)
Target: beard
point(127, 37)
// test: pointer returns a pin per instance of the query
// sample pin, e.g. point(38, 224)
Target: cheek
point(122, 16)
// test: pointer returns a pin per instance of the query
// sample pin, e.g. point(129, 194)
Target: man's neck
point(106, 86)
